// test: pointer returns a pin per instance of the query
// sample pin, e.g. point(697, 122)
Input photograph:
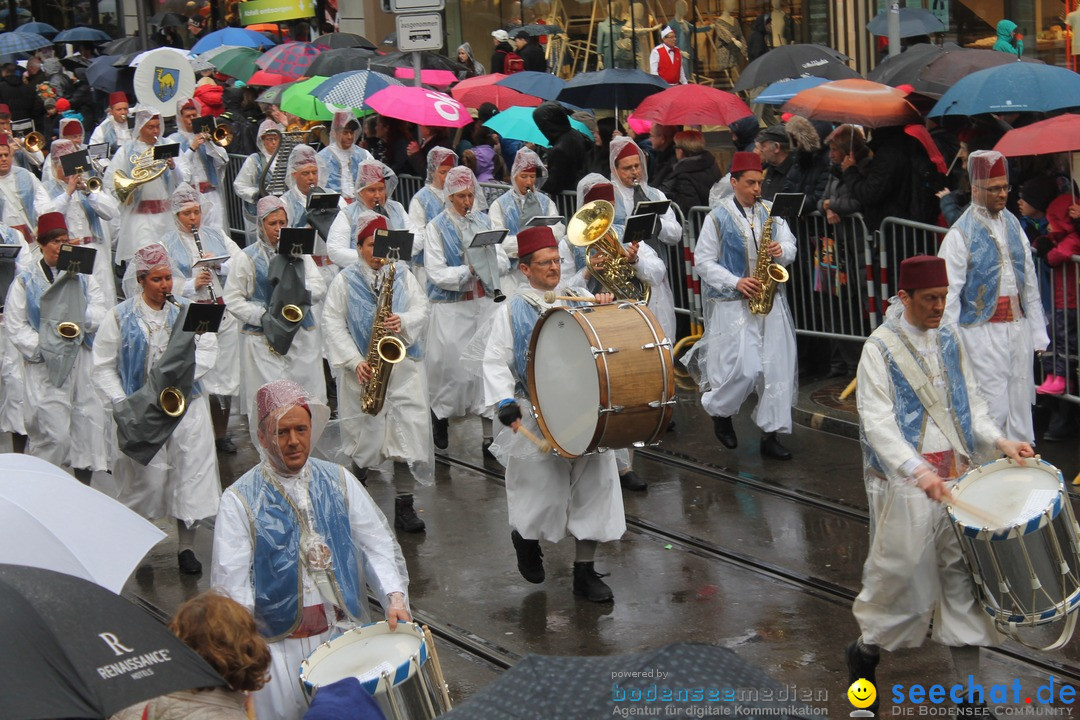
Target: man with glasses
point(994, 296)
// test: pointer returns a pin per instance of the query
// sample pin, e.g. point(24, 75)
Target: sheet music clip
point(203, 317)
point(76, 259)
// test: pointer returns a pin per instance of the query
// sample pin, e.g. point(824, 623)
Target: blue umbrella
point(1013, 87)
point(612, 89)
point(542, 85)
point(83, 34)
point(517, 123)
point(40, 28)
point(913, 22)
point(351, 89)
point(17, 42)
point(237, 37)
point(104, 76)
point(780, 92)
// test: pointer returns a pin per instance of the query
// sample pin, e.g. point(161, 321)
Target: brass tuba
point(590, 228)
point(144, 168)
point(768, 273)
point(384, 349)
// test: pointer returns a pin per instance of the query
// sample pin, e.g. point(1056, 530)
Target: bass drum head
point(1013, 494)
point(565, 383)
point(364, 653)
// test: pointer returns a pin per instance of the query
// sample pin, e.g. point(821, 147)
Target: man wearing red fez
point(65, 420)
point(375, 186)
point(745, 352)
point(114, 128)
point(399, 431)
point(22, 196)
point(548, 497)
point(994, 296)
point(912, 453)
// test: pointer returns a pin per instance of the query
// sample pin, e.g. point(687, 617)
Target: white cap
point(667, 31)
point(500, 35)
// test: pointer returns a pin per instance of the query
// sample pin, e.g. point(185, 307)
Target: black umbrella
point(904, 69)
point(543, 687)
point(428, 61)
point(537, 29)
point(74, 649)
point(615, 89)
point(948, 69)
point(125, 45)
point(103, 75)
point(338, 40)
point(332, 62)
point(788, 62)
point(167, 19)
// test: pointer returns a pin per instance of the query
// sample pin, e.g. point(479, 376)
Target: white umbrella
point(50, 520)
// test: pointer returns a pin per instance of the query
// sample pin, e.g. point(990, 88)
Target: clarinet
point(198, 246)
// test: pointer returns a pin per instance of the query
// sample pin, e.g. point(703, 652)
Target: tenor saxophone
point(768, 273)
point(385, 349)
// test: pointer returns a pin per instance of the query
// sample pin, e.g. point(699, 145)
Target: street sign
point(415, 6)
point(419, 32)
point(270, 11)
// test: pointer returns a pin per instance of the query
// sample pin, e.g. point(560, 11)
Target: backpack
point(514, 63)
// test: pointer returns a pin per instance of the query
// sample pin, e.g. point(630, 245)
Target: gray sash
point(63, 301)
point(8, 271)
point(287, 276)
point(484, 260)
point(529, 209)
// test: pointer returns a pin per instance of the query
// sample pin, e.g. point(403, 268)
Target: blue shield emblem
point(166, 83)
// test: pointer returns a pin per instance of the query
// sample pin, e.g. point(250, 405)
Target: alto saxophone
point(768, 273)
point(385, 349)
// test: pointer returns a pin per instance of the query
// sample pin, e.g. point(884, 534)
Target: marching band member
point(22, 196)
point(342, 156)
point(23, 157)
point(375, 184)
point(249, 291)
point(911, 455)
point(430, 200)
point(987, 252)
point(401, 430)
point(66, 420)
point(522, 202)
point(305, 174)
point(201, 163)
point(86, 214)
point(547, 496)
point(114, 129)
point(246, 184)
point(13, 408)
point(460, 304)
point(181, 481)
point(742, 352)
point(71, 130)
point(298, 541)
point(144, 216)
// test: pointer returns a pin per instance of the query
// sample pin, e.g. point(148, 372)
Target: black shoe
point(487, 449)
point(360, 473)
point(530, 558)
point(440, 432)
point(671, 426)
point(771, 448)
point(977, 711)
point(189, 564)
point(405, 517)
point(631, 481)
point(725, 432)
point(837, 371)
point(861, 665)
point(587, 582)
point(225, 445)
point(1056, 436)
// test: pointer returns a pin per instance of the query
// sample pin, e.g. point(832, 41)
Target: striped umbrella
point(352, 89)
point(292, 59)
point(17, 42)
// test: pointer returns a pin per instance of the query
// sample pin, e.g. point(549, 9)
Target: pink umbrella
point(438, 78)
point(476, 91)
point(692, 105)
point(419, 105)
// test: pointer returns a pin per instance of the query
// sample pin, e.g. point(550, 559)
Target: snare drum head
point(566, 392)
point(364, 653)
point(1012, 494)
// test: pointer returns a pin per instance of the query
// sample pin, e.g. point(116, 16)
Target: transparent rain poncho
point(436, 157)
point(986, 168)
point(372, 171)
point(526, 159)
point(301, 156)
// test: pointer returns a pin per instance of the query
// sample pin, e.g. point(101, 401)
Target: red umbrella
point(857, 101)
point(262, 77)
point(438, 78)
point(1056, 135)
point(291, 59)
point(474, 92)
point(419, 105)
point(692, 105)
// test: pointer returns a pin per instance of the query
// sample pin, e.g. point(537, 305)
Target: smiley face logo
point(862, 693)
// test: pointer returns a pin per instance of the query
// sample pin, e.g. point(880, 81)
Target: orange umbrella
point(475, 91)
point(857, 101)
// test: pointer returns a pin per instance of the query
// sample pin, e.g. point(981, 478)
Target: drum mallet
point(849, 389)
point(542, 444)
point(991, 522)
point(550, 297)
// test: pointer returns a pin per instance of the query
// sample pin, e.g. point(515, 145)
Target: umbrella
point(352, 89)
point(73, 649)
point(541, 686)
point(272, 95)
point(236, 37)
point(783, 90)
point(944, 72)
point(262, 77)
point(439, 78)
point(167, 19)
point(39, 28)
point(332, 62)
point(615, 88)
point(538, 29)
point(297, 100)
point(692, 105)
point(474, 92)
point(104, 76)
point(428, 61)
point(913, 22)
point(538, 84)
point(517, 124)
point(1014, 87)
point(419, 105)
point(292, 59)
point(857, 101)
point(793, 61)
point(339, 40)
point(137, 58)
point(83, 34)
point(235, 62)
point(199, 64)
point(905, 68)
point(1057, 135)
point(17, 42)
point(53, 521)
point(125, 45)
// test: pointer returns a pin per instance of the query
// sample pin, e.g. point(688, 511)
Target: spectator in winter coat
point(465, 57)
point(210, 94)
point(662, 155)
point(1009, 40)
point(528, 47)
point(837, 200)
point(569, 150)
point(22, 99)
point(1056, 249)
point(884, 188)
point(694, 173)
point(502, 49)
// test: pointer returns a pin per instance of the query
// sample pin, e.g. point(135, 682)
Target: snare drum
point(399, 669)
point(600, 377)
point(1025, 569)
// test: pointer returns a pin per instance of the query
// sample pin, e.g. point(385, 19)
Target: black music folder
point(166, 151)
point(77, 258)
point(206, 124)
point(652, 207)
point(203, 317)
point(487, 237)
point(323, 201)
point(787, 205)
point(295, 241)
point(77, 162)
point(387, 241)
point(547, 220)
point(640, 228)
point(9, 252)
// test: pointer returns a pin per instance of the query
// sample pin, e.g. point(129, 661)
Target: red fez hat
point(4, 109)
point(117, 97)
point(923, 271)
point(74, 127)
point(982, 168)
point(528, 168)
point(601, 191)
point(447, 161)
point(629, 150)
point(48, 222)
point(4, 142)
point(535, 238)
point(745, 161)
point(376, 223)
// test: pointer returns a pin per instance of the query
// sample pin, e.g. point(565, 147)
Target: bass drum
point(600, 377)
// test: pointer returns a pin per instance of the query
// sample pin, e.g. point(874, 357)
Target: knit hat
point(532, 239)
point(1039, 192)
point(522, 35)
point(63, 105)
point(923, 271)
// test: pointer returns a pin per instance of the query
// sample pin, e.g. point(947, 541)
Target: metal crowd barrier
point(408, 185)
point(899, 239)
point(1062, 325)
point(234, 206)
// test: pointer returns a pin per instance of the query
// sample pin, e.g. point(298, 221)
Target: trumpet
point(222, 136)
point(33, 141)
point(89, 185)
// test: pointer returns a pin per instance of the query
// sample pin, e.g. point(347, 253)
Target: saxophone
point(384, 349)
point(768, 273)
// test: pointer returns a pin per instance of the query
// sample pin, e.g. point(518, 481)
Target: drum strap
point(904, 357)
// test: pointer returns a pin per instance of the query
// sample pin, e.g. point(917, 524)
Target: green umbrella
point(236, 62)
point(298, 101)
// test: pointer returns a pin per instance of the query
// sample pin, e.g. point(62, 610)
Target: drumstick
point(962, 506)
point(437, 667)
point(542, 444)
point(550, 297)
point(849, 389)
